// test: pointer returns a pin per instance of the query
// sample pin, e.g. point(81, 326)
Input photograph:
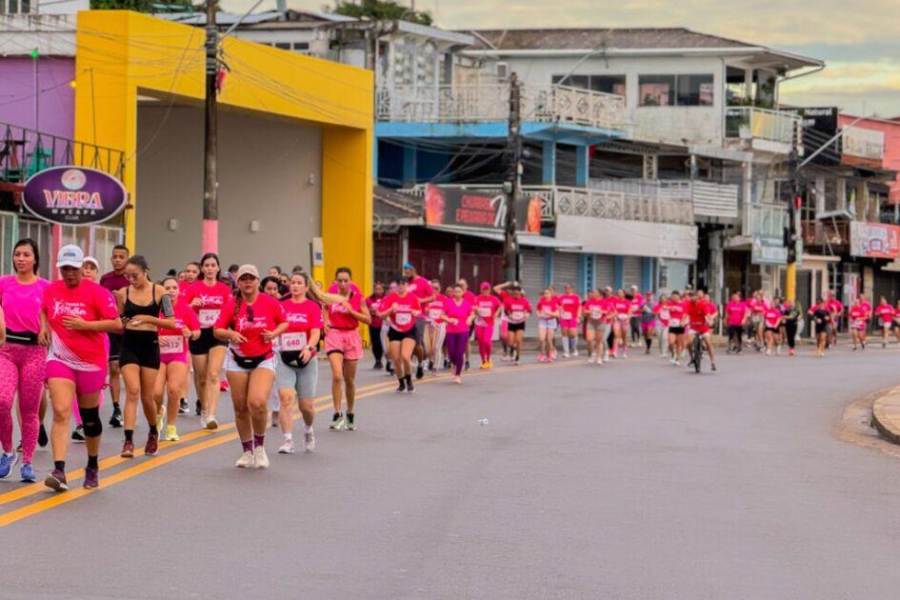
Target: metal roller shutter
point(565, 270)
point(632, 272)
point(532, 274)
point(605, 266)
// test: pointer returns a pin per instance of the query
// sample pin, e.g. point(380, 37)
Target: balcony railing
point(764, 220)
point(481, 103)
point(748, 122)
point(825, 233)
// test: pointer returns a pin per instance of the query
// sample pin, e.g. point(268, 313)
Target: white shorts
point(548, 323)
point(233, 367)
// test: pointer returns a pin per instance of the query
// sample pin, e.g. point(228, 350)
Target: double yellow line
point(178, 450)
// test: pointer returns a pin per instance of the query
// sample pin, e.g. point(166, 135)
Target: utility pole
point(512, 187)
point(211, 127)
point(791, 236)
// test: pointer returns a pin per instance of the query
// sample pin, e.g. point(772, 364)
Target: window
point(676, 90)
point(301, 46)
point(283, 46)
point(609, 84)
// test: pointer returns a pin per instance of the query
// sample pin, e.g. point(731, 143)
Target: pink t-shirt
point(735, 311)
point(546, 308)
point(516, 309)
point(339, 318)
point(420, 288)
point(858, 314)
point(596, 308)
point(636, 302)
point(772, 317)
point(174, 343)
point(885, 312)
point(662, 313)
point(434, 310)
point(405, 308)
point(267, 315)
point(302, 318)
point(867, 308)
point(80, 350)
point(334, 288)
point(835, 307)
point(676, 313)
point(485, 310)
point(757, 306)
point(621, 306)
point(568, 306)
point(469, 297)
point(22, 303)
point(212, 299)
point(461, 312)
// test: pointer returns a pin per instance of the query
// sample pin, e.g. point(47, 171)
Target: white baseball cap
point(93, 261)
point(70, 256)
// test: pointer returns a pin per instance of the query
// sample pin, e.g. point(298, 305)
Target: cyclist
point(701, 315)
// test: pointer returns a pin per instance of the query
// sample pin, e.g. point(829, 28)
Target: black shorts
point(515, 327)
point(115, 346)
point(676, 330)
point(399, 336)
point(772, 329)
point(206, 342)
point(140, 348)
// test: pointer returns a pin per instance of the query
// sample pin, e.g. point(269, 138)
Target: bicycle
point(697, 352)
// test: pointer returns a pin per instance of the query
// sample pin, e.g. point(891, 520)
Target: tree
point(146, 6)
point(381, 10)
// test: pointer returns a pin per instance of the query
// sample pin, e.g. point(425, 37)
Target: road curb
point(886, 415)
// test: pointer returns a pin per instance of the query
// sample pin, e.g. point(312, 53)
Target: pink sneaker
point(223, 386)
point(541, 358)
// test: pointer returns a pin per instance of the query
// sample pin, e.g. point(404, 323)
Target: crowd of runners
point(64, 343)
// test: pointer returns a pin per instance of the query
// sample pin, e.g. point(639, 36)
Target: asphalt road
point(636, 480)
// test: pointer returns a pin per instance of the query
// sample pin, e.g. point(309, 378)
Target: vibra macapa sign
point(74, 195)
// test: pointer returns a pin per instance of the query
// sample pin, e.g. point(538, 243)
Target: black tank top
point(133, 310)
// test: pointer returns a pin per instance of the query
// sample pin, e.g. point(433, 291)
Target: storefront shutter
point(605, 266)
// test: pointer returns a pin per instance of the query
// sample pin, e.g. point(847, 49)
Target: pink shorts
point(179, 357)
point(86, 382)
point(568, 323)
point(648, 326)
point(344, 341)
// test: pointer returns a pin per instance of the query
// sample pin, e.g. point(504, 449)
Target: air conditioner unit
point(502, 71)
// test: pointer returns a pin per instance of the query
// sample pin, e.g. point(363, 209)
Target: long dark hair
point(34, 250)
point(214, 256)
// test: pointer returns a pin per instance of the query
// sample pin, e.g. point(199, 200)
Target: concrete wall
point(629, 238)
point(679, 125)
point(57, 101)
point(264, 175)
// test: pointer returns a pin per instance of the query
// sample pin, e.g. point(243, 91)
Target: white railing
point(479, 103)
point(764, 220)
point(747, 122)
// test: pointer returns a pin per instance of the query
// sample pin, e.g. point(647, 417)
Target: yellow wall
point(121, 55)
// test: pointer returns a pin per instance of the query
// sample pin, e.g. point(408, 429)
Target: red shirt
point(835, 307)
point(339, 318)
point(662, 313)
point(434, 310)
point(212, 299)
point(113, 281)
point(420, 288)
point(885, 312)
point(773, 318)
point(302, 318)
point(486, 310)
point(469, 297)
point(546, 308)
point(267, 315)
point(858, 314)
point(185, 318)
point(81, 350)
point(568, 306)
point(596, 308)
point(516, 309)
point(403, 318)
point(374, 305)
point(698, 313)
point(867, 308)
point(676, 313)
point(756, 306)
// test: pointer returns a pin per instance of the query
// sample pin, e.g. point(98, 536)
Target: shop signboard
point(70, 195)
point(768, 251)
point(456, 206)
point(874, 240)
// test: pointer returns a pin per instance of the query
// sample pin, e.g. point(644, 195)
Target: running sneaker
point(541, 358)
point(402, 387)
point(91, 478)
point(127, 450)
point(351, 418)
point(7, 462)
point(309, 440)
point(116, 419)
point(203, 420)
point(790, 352)
point(211, 423)
point(287, 447)
point(337, 421)
point(27, 473)
point(171, 434)
point(274, 418)
point(152, 445)
point(467, 364)
point(260, 459)
point(592, 359)
point(713, 366)
point(378, 366)
point(575, 352)
point(198, 409)
point(566, 354)
point(409, 390)
point(56, 481)
point(42, 437)
point(161, 418)
point(78, 434)
point(245, 461)
point(420, 371)
point(457, 379)
point(183, 408)
point(223, 386)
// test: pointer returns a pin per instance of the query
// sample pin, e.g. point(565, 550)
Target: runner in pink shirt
point(621, 324)
point(517, 309)
point(661, 310)
point(677, 321)
point(569, 315)
point(595, 311)
point(469, 297)
point(402, 309)
point(459, 314)
point(76, 315)
point(487, 307)
point(637, 300)
point(548, 320)
point(422, 289)
point(737, 314)
point(22, 359)
point(772, 319)
point(435, 328)
point(836, 308)
point(859, 321)
point(885, 313)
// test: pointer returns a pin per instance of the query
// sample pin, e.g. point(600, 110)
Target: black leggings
point(377, 348)
point(735, 337)
point(790, 327)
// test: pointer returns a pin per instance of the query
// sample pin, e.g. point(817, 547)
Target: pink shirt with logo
point(172, 341)
point(516, 309)
point(773, 318)
point(735, 312)
point(22, 303)
point(303, 318)
point(212, 299)
point(596, 308)
point(568, 307)
point(885, 312)
point(486, 310)
point(267, 315)
point(434, 310)
point(405, 308)
point(662, 313)
point(80, 350)
point(621, 306)
point(460, 312)
point(546, 308)
point(858, 316)
point(340, 318)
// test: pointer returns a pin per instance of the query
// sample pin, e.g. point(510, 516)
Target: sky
point(859, 41)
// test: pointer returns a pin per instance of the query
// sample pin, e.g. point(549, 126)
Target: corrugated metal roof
point(577, 39)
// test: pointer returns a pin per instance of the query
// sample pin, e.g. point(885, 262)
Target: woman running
point(622, 306)
point(346, 310)
point(401, 309)
point(249, 322)
point(297, 373)
point(648, 321)
point(460, 314)
point(569, 315)
point(790, 313)
point(885, 313)
point(820, 313)
point(661, 310)
point(677, 317)
point(517, 309)
point(271, 286)
point(173, 358)
point(858, 323)
point(75, 317)
point(378, 347)
point(22, 359)
point(141, 304)
point(595, 308)
point(772, 319)
point(207, 296)
point(487, 308)
point(548, 315)
point(736, 316)
point(91, 269)
point(435, 328)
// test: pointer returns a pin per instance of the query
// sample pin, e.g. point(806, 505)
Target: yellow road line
point(158, 461)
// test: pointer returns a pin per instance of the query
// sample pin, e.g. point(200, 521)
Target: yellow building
point(295, 144)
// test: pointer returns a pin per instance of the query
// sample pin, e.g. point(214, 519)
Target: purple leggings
point(456, 348)
point(22, 369)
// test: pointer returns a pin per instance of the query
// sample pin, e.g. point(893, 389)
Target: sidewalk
point(886, 415)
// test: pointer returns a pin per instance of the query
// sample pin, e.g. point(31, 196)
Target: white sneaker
point(287, 447)
point(203, 419)
point(599, 363)
point(575, 353)
point(211, 423)
point(309, 441)
point(566, 354)
point(245, 461)
point(260, 459)
point(592, 359)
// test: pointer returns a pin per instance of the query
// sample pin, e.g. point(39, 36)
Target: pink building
point(874, 142)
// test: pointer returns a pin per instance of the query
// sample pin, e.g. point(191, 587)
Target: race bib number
point(517, 316)
point(171, 344)
point(596, 313)
point(566, 315)
point(664, 315)
point(484, 311)
point(403, 319)
point(435, 313)
point(623, 317)
point(293, 342)
point(208, 317)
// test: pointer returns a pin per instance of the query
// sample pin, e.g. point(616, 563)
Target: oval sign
point(74, 195)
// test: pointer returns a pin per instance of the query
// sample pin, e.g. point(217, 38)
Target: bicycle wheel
point(698, 352)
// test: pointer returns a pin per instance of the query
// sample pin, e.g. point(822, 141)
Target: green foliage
point(381, 10)
point(148, 6)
